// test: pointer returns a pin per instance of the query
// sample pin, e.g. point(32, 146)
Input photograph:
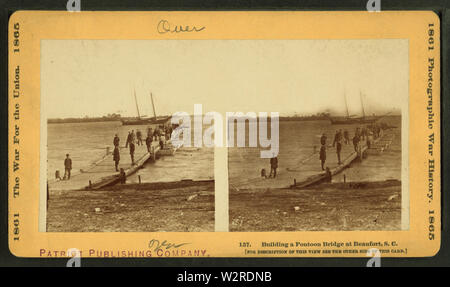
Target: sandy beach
point(332, 206)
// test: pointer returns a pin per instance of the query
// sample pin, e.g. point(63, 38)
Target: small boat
point(147, 121)
point(323, 176)
point(155, 120)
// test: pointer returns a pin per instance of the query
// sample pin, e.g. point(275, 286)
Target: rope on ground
point(302, 162)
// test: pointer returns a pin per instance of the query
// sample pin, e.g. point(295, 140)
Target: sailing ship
point(146, 120)
point(352, 119)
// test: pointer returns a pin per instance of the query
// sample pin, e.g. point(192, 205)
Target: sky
point(96, 77)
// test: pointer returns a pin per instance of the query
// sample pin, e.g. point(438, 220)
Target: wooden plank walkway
point(103, 172)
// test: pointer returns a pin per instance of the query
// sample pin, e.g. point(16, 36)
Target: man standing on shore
point(116, 157)
point(132, 148)
point(133, 136)
point(273, 166)
point(156, 134)
point(67, 167)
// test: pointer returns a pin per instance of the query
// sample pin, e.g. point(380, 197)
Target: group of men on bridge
point(366, 133)
point(161, 134)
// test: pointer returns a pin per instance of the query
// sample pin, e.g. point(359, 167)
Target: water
point(87, 142)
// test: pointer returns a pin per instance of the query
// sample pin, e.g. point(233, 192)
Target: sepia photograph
point(111, 164)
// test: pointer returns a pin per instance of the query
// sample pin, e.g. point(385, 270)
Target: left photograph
point(108, 156)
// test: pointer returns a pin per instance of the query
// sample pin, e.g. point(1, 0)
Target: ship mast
point(153, 106)
point(137, 107)
point(362, 105)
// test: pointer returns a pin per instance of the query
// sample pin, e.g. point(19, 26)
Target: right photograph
point(338, 124)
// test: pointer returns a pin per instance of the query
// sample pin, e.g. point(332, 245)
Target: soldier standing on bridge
point(67, 167)
point(132, 147)
point(133, 136)
point(356, 141)
point(363, 133)
point(323, 156)
point(139, 137)
point(338, 143)
point(116, 157)
point(323, 139)
point(358, 133)
point(161, 141)
point(346, 137)
point(156, 134)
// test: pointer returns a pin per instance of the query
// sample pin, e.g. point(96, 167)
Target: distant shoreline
point(80, 120)
point(118, 119)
